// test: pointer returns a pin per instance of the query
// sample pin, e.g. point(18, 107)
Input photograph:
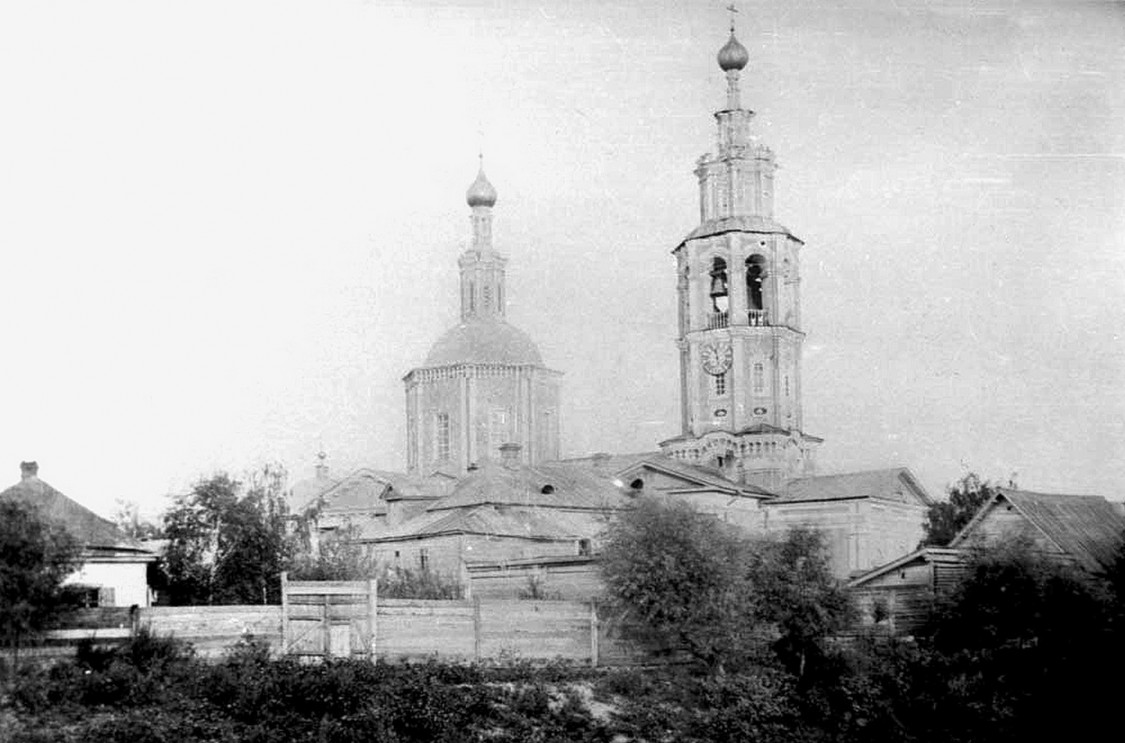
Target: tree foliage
point(36, 556)
point(945, 518)
point(228, 543)
point(336, 557)
point(691, 581)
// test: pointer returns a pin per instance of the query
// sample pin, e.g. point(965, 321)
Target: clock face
point(717, 358)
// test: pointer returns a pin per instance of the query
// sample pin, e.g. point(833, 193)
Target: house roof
point(91, 530)
point(1087, 527)
point(929, 555)
point(554, 485)
point(897, 484)
point(489, 520)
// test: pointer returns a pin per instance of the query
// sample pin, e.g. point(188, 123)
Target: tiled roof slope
point(1087, 527)
point(895, 484)
point(91, 530)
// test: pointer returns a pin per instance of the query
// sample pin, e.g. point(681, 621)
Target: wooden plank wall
point(213, 629)
point(406, 630)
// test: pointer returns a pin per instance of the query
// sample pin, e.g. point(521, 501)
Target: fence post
point(372, 611)
point(476, 627)
point(593, 633)
point(284, 612)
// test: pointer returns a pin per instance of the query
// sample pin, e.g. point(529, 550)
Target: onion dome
point(733, 56)
point(484, 342)
point(481, 193)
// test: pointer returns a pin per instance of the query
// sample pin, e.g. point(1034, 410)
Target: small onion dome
point(481, 193)
point(733, 56)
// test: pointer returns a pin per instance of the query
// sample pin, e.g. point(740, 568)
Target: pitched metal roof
point(1087, 527)
point(927, 555)
point(897, 484)
point(492, 520)
point(554, 485)
point(708, 477)
point(91, 530)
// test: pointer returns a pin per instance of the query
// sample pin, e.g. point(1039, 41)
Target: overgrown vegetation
point(35, 557)
point(685, 580)
point(1019, 652)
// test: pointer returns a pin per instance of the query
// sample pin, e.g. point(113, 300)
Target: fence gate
point(328, 618)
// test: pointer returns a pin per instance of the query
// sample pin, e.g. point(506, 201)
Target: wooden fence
point(338, 619)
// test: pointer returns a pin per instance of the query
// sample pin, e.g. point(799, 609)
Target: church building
point(484, 478)
point(483, 383)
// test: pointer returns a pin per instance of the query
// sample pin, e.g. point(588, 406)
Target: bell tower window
point(720, 301)
point(755, 275)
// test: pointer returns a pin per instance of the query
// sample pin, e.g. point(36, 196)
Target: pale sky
point(229, 227)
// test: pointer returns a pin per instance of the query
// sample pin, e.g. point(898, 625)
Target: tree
point(1022, 636)
point(946, 518)
point(228, 544)
point(692, 581)
point(129, 520)
point(338, 557)
point(36, 556)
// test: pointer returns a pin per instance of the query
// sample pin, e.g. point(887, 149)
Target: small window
point(423, 559)
point(547, 489)
point(584, 547)
point(637, 484)
point(721, 384)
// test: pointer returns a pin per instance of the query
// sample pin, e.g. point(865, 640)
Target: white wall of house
point(128, 580)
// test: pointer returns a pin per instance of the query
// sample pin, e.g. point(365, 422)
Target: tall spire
point(732, 58)
point(482, 268)
point(481, 197)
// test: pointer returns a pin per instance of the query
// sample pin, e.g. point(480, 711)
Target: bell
point(718, 285)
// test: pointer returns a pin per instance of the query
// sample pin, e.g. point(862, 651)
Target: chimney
point(510, 455)
point(321, 466)
point(29, 470)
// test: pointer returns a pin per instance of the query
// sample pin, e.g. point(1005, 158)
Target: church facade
point(484, 480)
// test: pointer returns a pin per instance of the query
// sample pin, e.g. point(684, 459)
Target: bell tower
point(739, 334)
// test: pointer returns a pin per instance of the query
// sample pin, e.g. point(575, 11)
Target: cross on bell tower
point(740, 336)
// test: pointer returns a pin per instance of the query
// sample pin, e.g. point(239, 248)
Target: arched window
point(755, 274)
point(759, 378)
point(718, 291)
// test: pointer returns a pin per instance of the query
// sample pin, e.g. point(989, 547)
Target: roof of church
point(1087, 527)
point(91, 530)
point(889, 484)
point(553, 485)
point(706, 476)
point(490, 520)
point(491, 341)
point(305, 492)
point(370, 489)
point(739, 224)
